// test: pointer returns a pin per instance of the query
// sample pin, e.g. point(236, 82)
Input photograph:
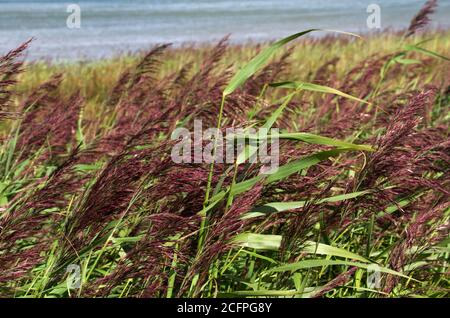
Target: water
point(110, 27)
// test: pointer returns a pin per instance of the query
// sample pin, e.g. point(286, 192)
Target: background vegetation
point(86, 176)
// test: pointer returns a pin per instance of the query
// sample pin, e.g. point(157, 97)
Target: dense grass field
point(91, 204)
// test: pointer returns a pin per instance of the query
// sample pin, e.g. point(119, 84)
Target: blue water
point(111, 26)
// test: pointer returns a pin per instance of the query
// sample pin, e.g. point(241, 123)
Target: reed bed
point(87, 179)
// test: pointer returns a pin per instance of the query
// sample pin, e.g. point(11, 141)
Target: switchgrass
point(358, 208)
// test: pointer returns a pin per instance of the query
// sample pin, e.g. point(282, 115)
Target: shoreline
point(204, 45)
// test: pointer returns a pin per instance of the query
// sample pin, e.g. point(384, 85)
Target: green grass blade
point(282, 173)
point(320, 140)
point(425, 51)
point(324, 249)
point(311, 139)
point(262, 293)
point(275, 207)
point(310, 263)
point(298, 165)
point(249, 150)
point(259, 60)
point(258, 241)
point(315, 88)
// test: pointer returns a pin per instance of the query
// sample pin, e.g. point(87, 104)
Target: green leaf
point(295, 166)
point(258, 241)
point(315, 88)
point(283, 172)
point(308, 138)
point(259, 60)
point(324, 249)
point(3, 198)
point(425, 51)
point(268, 259)
point(249, 150)
point(320, 140)
point(406, 61)
point(268, 293)
point(310, 263)
point(275, 207)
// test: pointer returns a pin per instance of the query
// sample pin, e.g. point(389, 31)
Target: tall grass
point(87, 178)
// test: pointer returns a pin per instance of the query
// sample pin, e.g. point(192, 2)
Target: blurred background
point(111, 27)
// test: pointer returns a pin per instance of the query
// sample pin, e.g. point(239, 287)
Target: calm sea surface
point(111, 26)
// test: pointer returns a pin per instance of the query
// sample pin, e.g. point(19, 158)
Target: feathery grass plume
point(367, 76)
point(338, 281)
point(140, 106)
point(111, 192)
point(30, 218)
point(402, 158)
point(28, 210)
point(108, 198)
point(162, 222)
point(397, 164)
point(56, 133)
point(37, 107)
point(10, 67)
point(141, 77)
point(340, 117)
point(325, 74)
point(299, 224)
point(268, 74)
point(149, 64)
point(400, 127)
point(421, 19)
point(203, 87)
point(141, 110)
point(181, 77)
point(182, 188)
point(300, 186)
point(223, 228)
point(235, 110)
point(15, 266)
point(119, 89)
point(149, 261)
point(417, 232)
point(117, 183)
point(46, 93)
